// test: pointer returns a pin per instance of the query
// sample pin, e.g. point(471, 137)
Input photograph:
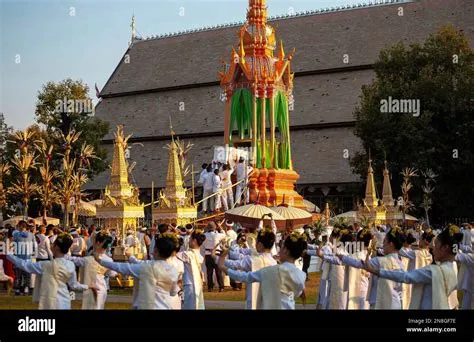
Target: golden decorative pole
point(263, 128)
point(272, 130)
point(254, 128)
point(192, 182)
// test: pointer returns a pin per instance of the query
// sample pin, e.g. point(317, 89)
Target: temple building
point(176, 74)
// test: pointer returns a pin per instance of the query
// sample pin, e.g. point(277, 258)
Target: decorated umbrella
point(250, 215)
point(49, 220)
point(311, 207)
point(15, 219)
point(295, 217)
point(87, 209)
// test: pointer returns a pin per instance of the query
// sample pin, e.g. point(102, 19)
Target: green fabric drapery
point(241, 120)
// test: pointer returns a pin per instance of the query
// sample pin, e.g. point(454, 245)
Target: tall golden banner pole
point(192, 181)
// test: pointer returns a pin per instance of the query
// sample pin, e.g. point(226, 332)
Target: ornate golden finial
point(242, 51)
point(119, 185)
point(370, 193)
point(281, 53)
point(387, 196)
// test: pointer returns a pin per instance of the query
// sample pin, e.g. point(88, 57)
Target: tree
point(64, 107)
point(439, 76)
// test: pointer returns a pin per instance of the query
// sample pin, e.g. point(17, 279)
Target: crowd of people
point(362, 268)
point(218, 189)
point(395, 268)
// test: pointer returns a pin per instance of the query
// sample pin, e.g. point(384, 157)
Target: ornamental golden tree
point(47, 189)
point(4, 171)
point(24, 163)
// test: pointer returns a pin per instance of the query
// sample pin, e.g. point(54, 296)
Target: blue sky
point(57, 39)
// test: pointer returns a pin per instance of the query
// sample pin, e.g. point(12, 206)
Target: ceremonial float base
point(275, 186)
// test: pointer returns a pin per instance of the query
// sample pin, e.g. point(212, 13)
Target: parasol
point(294, 217)
point(250, 215)
point(15, 219)
point(311, 207)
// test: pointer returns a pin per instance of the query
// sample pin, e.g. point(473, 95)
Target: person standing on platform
point(242, 172)
point(207, 185)
point(217, 192)
point(227, 193)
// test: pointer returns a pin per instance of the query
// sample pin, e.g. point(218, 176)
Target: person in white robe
point(279, 284)
point(414, 259)
point(92, 272)
point(253, 262)
point(158, 280)
point(193, 276)
point(466, 278)
point(338, 292)
point(326, 249)
point(57, 276)
point(176, 300)
point(242, 172)
point(227, 193)
point(387, 293)
point(356, 280)
point(438, 282)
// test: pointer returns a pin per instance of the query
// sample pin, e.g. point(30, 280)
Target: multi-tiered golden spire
point(370, 193)
point(387, 196)
point(119, 185)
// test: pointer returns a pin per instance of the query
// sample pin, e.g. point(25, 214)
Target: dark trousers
point(306, 264)
point(211, 266)
point(22, 279)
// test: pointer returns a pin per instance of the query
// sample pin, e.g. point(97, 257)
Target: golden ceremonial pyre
point(120, 208)
point(258, 89)
point(175, 202)
point(385, 211)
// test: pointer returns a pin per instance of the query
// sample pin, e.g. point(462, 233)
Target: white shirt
point(63, 301)
point(163, 298)
point(44, 247)
point(232, 235)
point(201, 176)
point(78, 245)
point(208, 181)
point(287, 300)
point(240, 171)
point(212, 240)
point(225, 176)
point(216, 183)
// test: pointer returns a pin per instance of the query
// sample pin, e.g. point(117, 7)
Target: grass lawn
point(21, 302)
point(26, 303)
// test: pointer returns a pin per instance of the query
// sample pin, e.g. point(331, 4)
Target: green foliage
point(439, 73)
point(52, 110)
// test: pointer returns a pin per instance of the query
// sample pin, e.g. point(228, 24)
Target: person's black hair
point(64, 242)
point(347, 237)
point(49, 228)
point(409, 238)
point(224, 167)
point(199, 237)
point(451, 236)
point(396, 236)
point(335, 233)
point(365, 236)
point(266, 238)
point(104, 239)
point(296, 247)
point(216, 171)
point(189, 226)
point(427, 236)
point(209, 168)
point(204, 166)
point(162, 228)
point(165, 244)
